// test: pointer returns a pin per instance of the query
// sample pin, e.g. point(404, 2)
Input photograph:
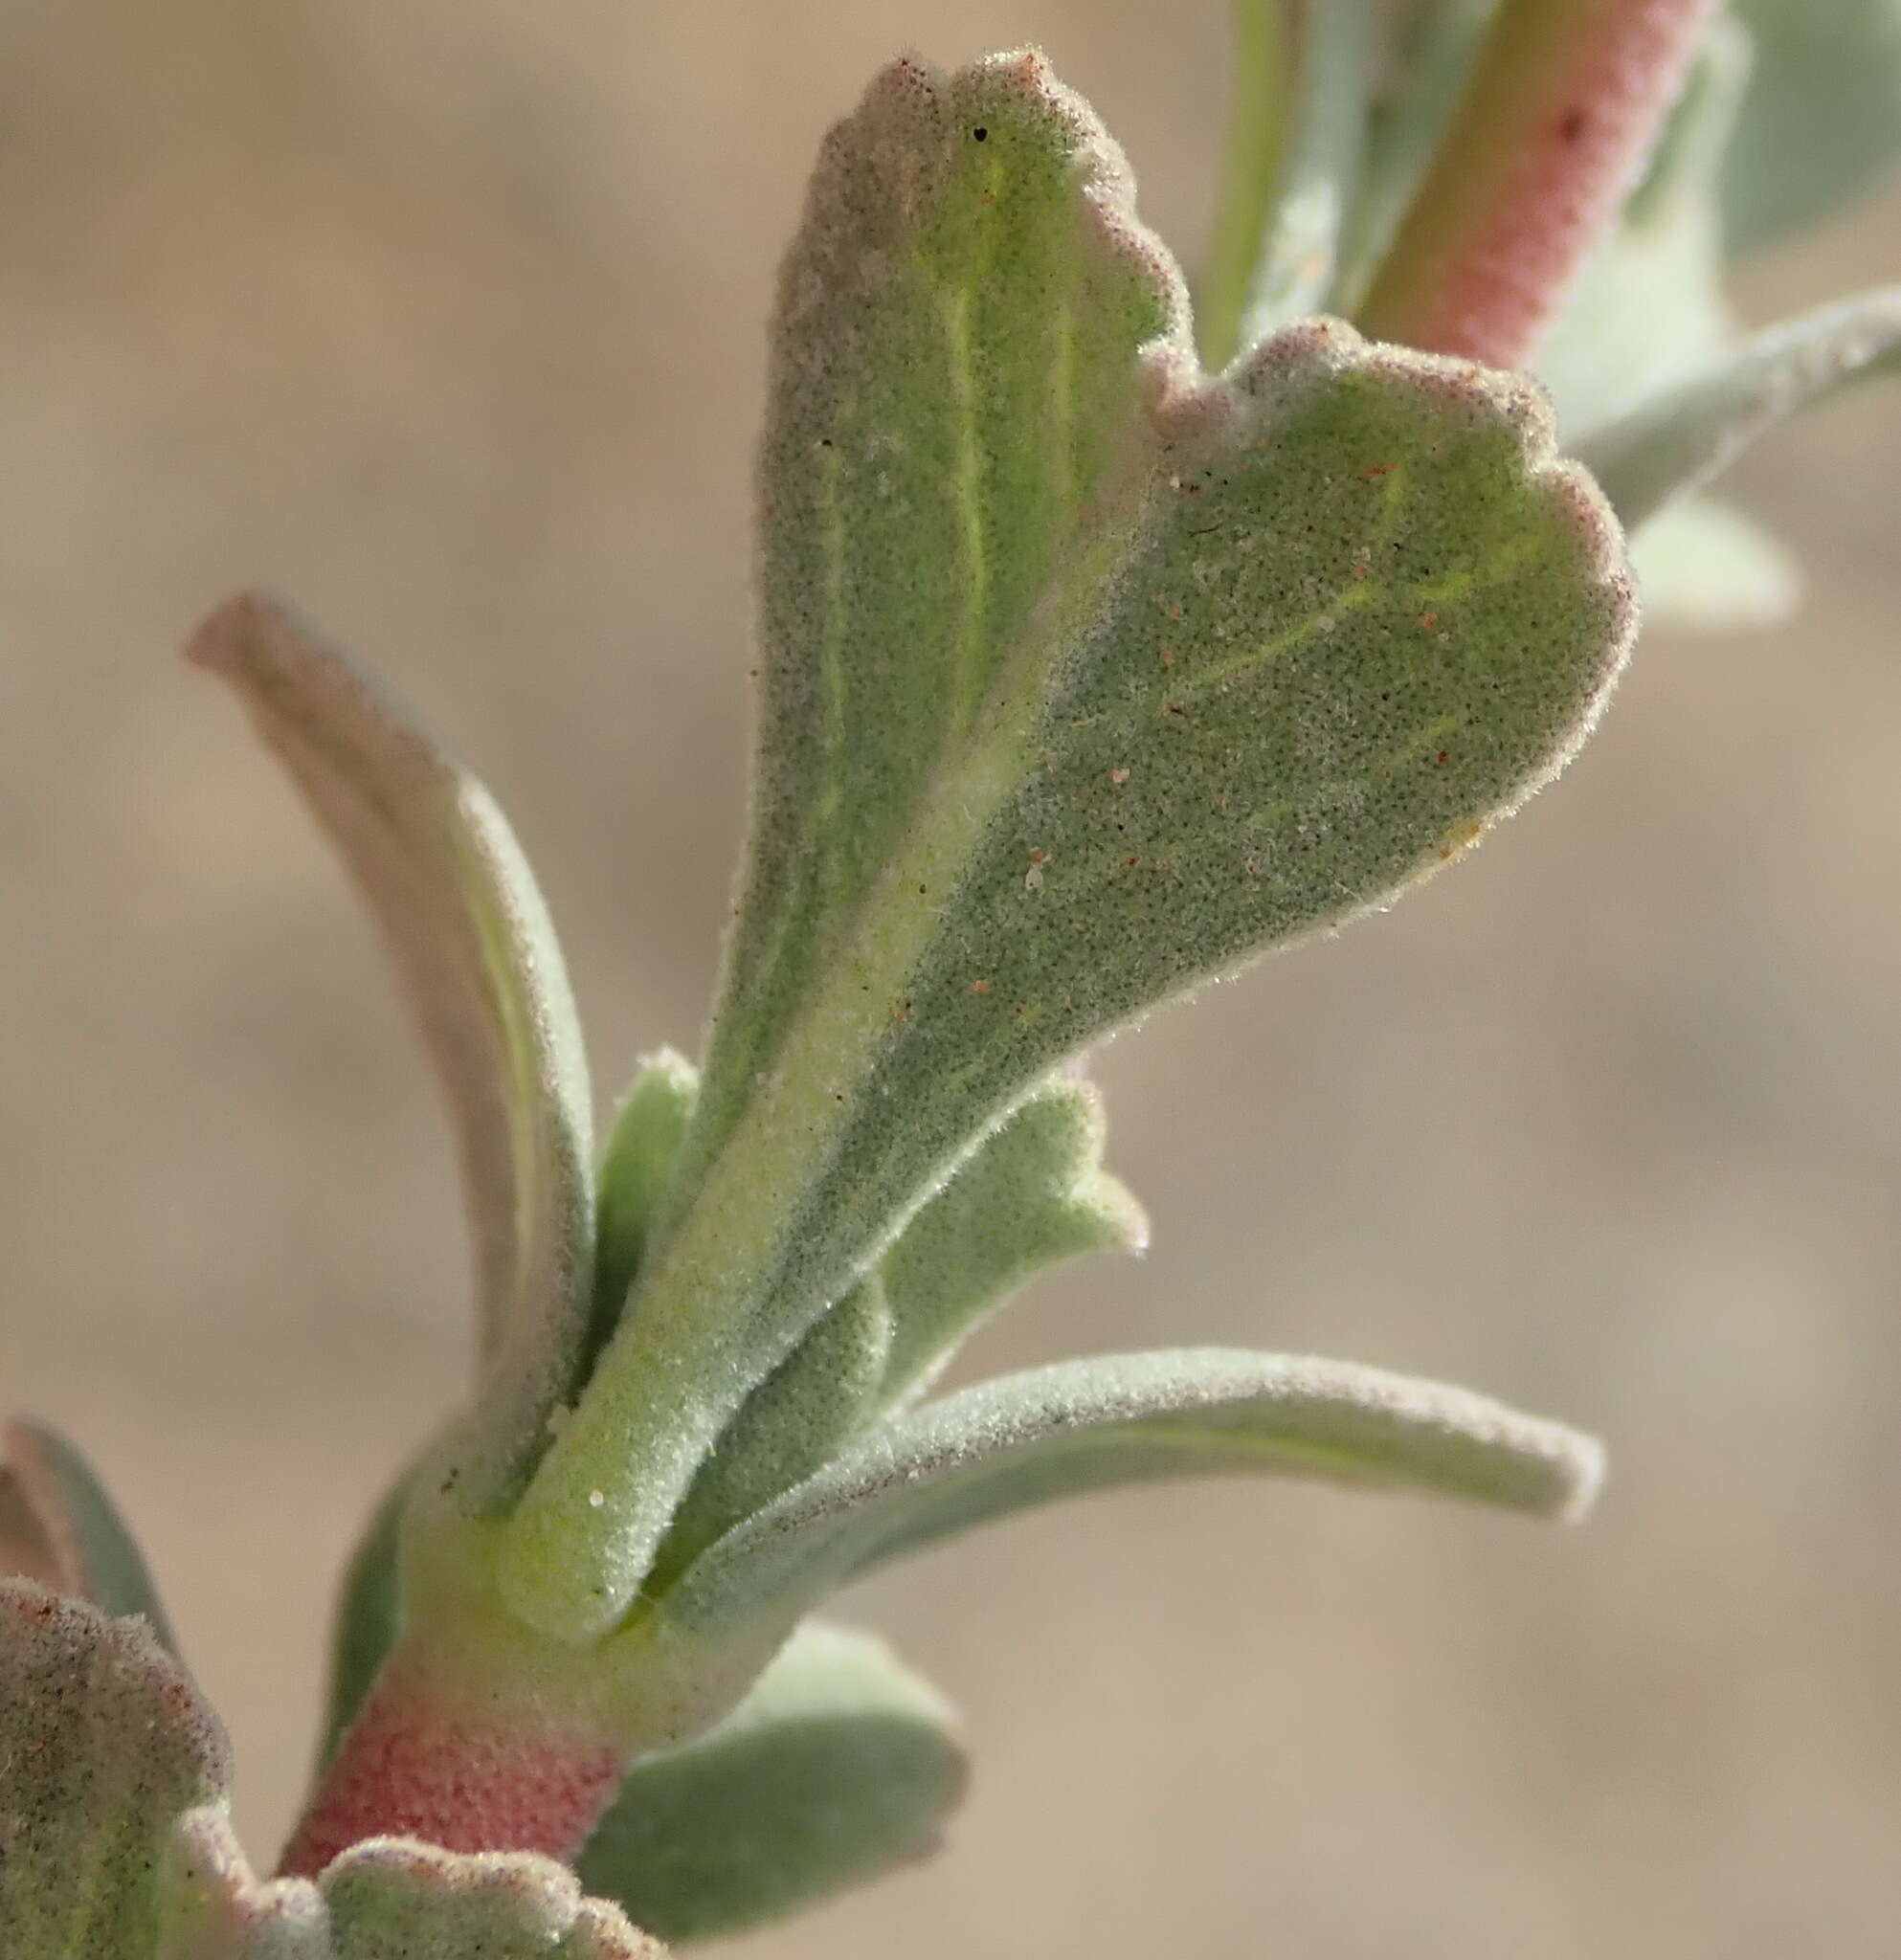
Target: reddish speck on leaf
point(1428, 621)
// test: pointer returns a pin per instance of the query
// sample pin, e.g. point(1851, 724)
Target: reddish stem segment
point(1560, 115)
point(455, 1772)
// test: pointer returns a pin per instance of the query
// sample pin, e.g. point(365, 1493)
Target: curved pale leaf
point(1678, 442)
point(1337, 612)
point(1033, 1193)
point(1090, 1425)
point(1821, 121)
point(58, 1526)
point(447, 881)
point(839, 1765)
point(103, 1742)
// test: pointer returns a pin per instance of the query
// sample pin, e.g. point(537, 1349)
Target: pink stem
point(1554, 127)
point(458, 1772)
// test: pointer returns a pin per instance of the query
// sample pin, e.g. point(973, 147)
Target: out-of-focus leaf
point(1675, 442)
point(841, 1764)
point(1302, 77)
point(1821, 121)
point(1089, 1425)
point(58, 1526)
point(446, 880)
point(1051, 737)
point(115, 1843)
point(103, 1742)
point(1034, 1192)
point(368, 1612)
point(1700, 563)
point(388, 1899)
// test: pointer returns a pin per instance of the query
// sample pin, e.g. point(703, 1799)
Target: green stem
point(1562, 111)
point(1261, 68)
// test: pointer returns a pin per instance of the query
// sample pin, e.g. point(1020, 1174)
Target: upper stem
point(1562, 110)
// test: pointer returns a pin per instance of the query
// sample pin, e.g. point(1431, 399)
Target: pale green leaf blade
point(1361, 612)
point(802, 1414)
point(840, 1765)
point(637, 1172)
point(1676, 442)
point(1033, 1193)
point(386, 1899)
point(1303, 69)
point(954, 386)
point(1080, 1426)
point(1704, 566)
point(103, 1742)
point(471, 938)
point(58, 1526)
point(1822, 122)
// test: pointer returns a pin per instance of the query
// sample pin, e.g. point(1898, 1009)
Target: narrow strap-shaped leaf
point(1822, 120)
point(1357, 611)
point(447, 881)
point(800, 1416)
point(388, 1898)
point(103, 1742)
point(1033, 1193)
point(636, 1171)
point(1681, 439)
point(58, 1526)
point(1089, 1425)
point(1303, 71)
point(841, 1764)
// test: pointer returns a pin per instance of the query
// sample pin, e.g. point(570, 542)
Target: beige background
point(444, 317)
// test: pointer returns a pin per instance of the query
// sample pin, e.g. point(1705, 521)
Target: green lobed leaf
point(840, 1765)
point(103, 1742)
point(58, 1526)
point(1079, 1426)
point(458, 904)
point(1675, 442)
point(1303, 68)
point(1340, 611)
point(1821, 121)
point(386, 1899)
point(114, 1841)
point(1035, 1193)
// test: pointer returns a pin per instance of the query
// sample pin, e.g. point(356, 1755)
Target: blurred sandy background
point(444, 318)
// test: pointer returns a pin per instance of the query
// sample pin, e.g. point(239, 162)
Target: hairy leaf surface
point(1137, 680)
point(471, 938)
point(1089, 1425)
point(841, 1764)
